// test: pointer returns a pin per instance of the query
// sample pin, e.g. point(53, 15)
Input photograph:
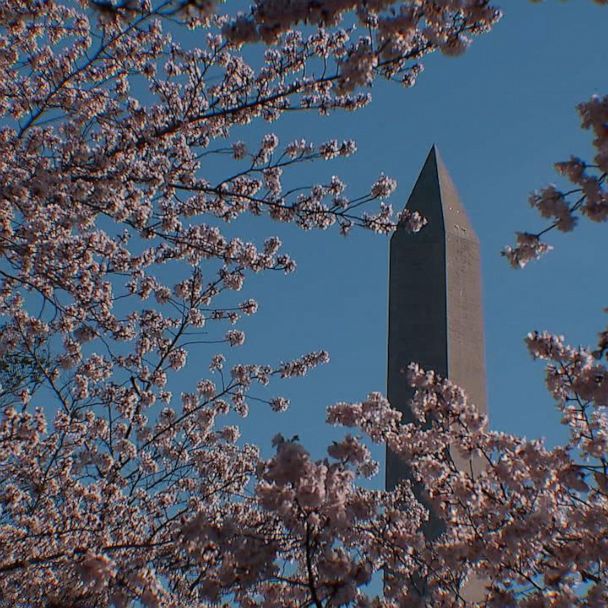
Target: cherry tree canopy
point(118, 259)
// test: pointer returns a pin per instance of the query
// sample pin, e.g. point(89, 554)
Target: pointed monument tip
point(435, 157)
point(433, 161)
point(436, 198)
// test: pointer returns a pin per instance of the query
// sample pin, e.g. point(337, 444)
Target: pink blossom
point(529, 247)
point(235, 337)
point(383, 187)
point(116, 215)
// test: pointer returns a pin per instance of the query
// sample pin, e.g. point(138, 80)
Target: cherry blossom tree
point(586, 197)
point(117, 265)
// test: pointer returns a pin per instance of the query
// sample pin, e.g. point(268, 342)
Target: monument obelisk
point(435, 313)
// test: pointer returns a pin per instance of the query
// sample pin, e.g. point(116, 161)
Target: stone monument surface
point(435, 313)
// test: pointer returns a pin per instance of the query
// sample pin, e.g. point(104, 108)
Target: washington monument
point(435, 315)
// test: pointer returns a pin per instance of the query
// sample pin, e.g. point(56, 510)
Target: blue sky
point(500, 115)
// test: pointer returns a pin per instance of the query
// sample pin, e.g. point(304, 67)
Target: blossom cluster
point(587, 195)
point(521, 519)
point(119, 484)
